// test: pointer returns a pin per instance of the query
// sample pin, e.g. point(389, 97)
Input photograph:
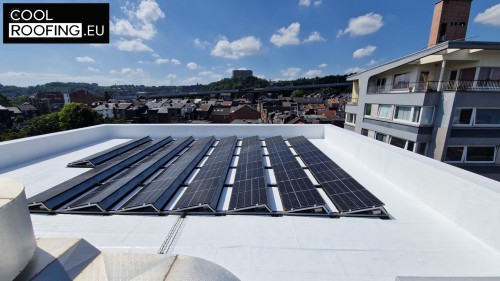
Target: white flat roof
point(444, 220)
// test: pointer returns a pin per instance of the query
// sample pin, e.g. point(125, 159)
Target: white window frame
point(353, 118)
point(462, 158)
point(480, 162)
point(390, 111)
point(412, 114)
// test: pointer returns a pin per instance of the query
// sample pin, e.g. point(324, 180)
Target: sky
point(185, 42)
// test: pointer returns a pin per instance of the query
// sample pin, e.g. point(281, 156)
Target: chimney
point(449, 21)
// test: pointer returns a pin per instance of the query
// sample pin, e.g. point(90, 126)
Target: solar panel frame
point(106, 197)
point(205, 189)
point(159, 191)
point(346, 193)
point(249, 189)
point(103, 156)
point(296, 190)
point(68, 190)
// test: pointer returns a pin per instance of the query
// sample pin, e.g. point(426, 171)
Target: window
point(401, 143)
point(454, 153)
point(487, 116)
point(368, 109)
point(427, 115)
point(463, 116)
point(401, 81)
point(467, 74)
point(364, 132)
point(410, 146)
point(480, 154)
point(488, 74)
point(381, 137)
point(422, 148)
point(350, 118)
point(403, 113)
point(384, 111)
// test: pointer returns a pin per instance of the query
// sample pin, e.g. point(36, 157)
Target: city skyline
point(178, 42)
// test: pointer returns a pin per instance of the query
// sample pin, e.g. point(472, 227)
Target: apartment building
point(442, 102)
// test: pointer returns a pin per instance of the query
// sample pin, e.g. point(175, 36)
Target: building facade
point(441, 102)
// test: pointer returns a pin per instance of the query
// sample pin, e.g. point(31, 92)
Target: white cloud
point(124, 27)
point(314, 37)
point(91, 69)
point(175, 61)
point(85, 59)
point(490, 16)
point(243, 47)
point(149, 11)
point(290, 72)
point(143, 62)
point(155, 55)
point(128, 71)
point(364, 52)
point(139, 23)
point(317, 3)
point(216, 77)
point(353, 70)
point(201, 44)
point(373, 62)
point(134, 45)
point(305, 3)
point(287, 36)
point(161, 61)
point(192, 65)
point(323, 65)
point(192, 80)
point(363, 25)
point(205, 73)
point(312, 73)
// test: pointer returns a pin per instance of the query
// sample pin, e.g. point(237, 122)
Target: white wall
point(471, 201)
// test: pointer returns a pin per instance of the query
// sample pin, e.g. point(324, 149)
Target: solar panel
point(98, 158)
point(160, 190)
point(62, 193)
point(104, 197)
point(296, 190)
point(204, 191)
point(249, 188)
point(347, 194)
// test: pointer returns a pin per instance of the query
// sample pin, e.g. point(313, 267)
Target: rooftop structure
point(441, 102)
point(449, 21)
point(441, 221)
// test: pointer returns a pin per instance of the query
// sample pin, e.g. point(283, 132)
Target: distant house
point(171, 113)
point(120, 111)
point(204, 111)
point(227, 104)
point(28, 110)
point(80, 96)
point(105, 110)
point(47, 102)
point(5, 118)
point(221, 115)
point(244, 112)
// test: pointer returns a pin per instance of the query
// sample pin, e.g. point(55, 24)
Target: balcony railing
point(432, 86)
point(352, 101)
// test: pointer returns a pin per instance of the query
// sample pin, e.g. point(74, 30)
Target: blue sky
point(183, 42)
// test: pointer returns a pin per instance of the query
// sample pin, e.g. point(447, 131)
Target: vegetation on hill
point(72, 116)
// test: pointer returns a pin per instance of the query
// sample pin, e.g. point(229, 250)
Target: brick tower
point(449, 21)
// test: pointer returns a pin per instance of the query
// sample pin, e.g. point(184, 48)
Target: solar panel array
point(104, 197)
point(159, 191)
point(296, 189)
point(249, 188)
point(103, 156)
point(60, 194)
point(205, 189)
point(347, 194)
point(149, 176)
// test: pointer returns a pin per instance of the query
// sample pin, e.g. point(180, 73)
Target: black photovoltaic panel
point(345, 192)
point(63, 193)
point(205, 189)
point(296, 189)
point(249, 188)
point(104, 197)
point(158, 192)
point(103, 156)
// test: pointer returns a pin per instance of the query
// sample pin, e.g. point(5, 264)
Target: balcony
point(432, 86)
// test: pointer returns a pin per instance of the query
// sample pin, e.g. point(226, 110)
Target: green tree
point(107, 96)
point(19, 100)
point(78, 115)
point(298, 93)
point(4, 101)
point(44, 124)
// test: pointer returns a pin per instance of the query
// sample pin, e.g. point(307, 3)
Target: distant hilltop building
point(449, 21)
point(242, 73)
